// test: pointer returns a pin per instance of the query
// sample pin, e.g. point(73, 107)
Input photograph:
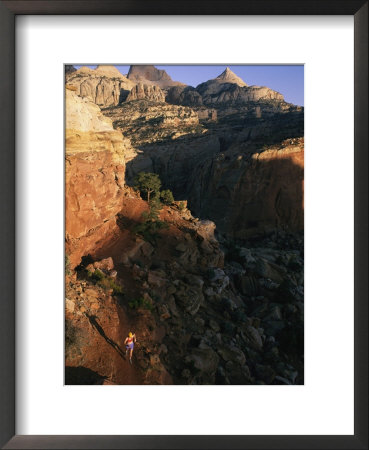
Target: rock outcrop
point(151, 75)
point(95, 168)
point(214, 92)
point(184, 95)
point(105, 85)
point(147, 92)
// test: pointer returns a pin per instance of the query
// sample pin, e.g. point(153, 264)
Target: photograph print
point(184, 224)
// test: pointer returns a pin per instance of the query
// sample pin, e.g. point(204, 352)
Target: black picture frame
point(8, 12)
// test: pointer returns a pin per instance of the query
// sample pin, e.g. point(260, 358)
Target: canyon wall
point(95, 174)
point(248, 195)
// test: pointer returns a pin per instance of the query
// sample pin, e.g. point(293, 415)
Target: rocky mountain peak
point(230, 77)
point(148, 74)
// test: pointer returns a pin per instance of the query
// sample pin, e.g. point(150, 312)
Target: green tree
point(151, 224)
point(147, 183)
point(167, 197)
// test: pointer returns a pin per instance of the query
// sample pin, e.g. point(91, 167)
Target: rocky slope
point(105, 85)
point(199, 318)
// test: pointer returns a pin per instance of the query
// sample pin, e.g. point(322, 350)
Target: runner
point(130, 343)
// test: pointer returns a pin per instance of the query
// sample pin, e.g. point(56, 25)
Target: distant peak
point(230, 77)
point(148, 74)
point(110, 71)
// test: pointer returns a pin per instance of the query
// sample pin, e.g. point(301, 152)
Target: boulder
point(218, 280)
point(106, 264)
point(253, 338)
point(69, 305)
point(156, 278)
point(232, 353)
point(204, 359)
point(189, 297)
point(269, 270)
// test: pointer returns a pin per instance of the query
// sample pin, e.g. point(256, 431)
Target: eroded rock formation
point(105, 85)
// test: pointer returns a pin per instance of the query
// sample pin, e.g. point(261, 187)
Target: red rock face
point(94, 183)
point(273, 192)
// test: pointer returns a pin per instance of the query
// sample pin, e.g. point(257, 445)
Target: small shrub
point(70, 334)
point(96, 276)
point(105, 282)
point(167, 197)
point(149, 228)
point(181, 206)
point(67, 265)
point(140, 303)
point(155, 206)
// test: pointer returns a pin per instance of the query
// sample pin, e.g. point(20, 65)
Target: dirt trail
point(128, 373)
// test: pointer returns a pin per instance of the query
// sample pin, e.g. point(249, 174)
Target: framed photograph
point(177, 271)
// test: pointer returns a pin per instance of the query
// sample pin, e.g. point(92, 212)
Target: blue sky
point(286, 79)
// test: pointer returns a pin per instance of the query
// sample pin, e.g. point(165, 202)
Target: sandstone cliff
point(95, 168)
point(105, 85)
